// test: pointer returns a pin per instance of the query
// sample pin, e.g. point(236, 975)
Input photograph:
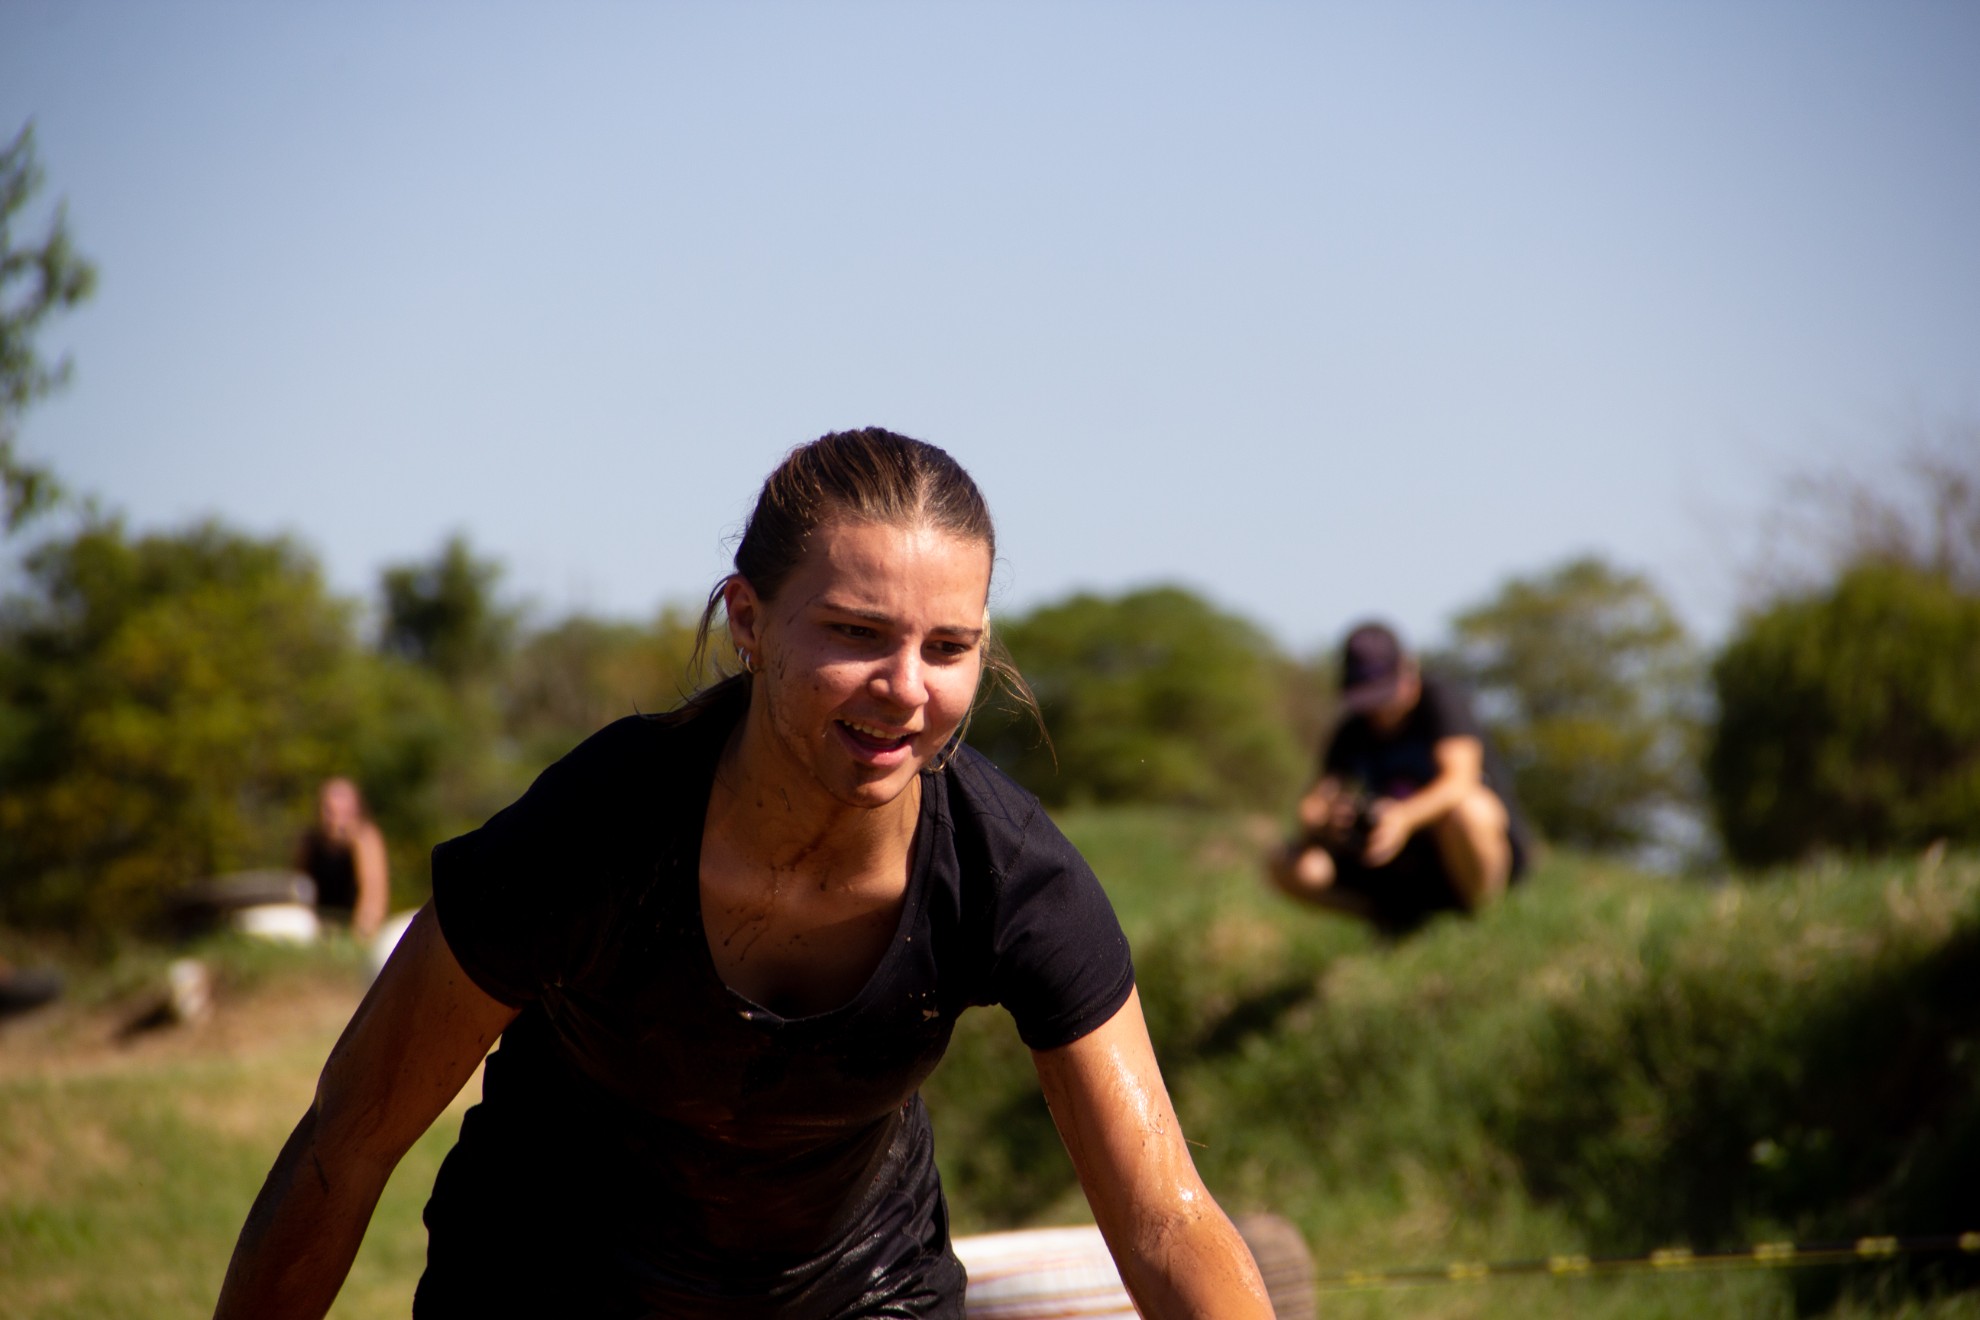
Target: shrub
point(168, 705)
point(1850, 719)
point(1590, 690)
point(1154, 696)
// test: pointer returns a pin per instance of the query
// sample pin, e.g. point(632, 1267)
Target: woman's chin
point(867, 785)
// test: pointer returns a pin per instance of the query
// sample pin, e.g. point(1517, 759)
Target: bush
point(168, 705)
point(1850, 719)
point(1154, 696)
point(1589, 688)
point(1602, 1063)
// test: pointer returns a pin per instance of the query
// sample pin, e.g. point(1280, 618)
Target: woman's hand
point(411, 1046)
point(1176, 1250)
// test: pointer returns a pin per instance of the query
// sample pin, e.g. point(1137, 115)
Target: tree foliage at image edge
point(1850, 719)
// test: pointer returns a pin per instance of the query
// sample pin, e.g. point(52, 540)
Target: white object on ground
point(282, 923)
point(1041, 1273)
point(189, 990)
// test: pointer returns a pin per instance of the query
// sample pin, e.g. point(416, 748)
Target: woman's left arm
point(1176, 1250)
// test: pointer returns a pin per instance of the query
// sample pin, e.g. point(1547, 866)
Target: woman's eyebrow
point(968, 632)
point(852, 611)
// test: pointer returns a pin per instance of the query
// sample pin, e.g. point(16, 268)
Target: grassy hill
point(1606, 1063)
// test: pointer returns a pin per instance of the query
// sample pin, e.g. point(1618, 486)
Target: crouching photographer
point(1411, 814)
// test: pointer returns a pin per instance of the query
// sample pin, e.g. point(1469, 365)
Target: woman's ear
point(745, 613)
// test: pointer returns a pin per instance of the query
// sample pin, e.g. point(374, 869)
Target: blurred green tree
point(1154, 696)
point(168, 705)
point(445, 618)
point(571, 679)
point(36, 281)
point(1592, 691)
point(444, 614)
point(1849, 718)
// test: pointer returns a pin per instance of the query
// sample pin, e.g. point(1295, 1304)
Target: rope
point(1665, 1260)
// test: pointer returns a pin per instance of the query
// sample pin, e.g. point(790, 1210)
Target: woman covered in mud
point(723, 947)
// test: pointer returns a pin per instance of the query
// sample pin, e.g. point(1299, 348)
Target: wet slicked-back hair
point(870, 476)
point(867, 476)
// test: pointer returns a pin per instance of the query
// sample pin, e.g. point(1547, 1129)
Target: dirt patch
point(286, 1015)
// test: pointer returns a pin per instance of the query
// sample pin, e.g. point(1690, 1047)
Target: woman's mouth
point(871, 740)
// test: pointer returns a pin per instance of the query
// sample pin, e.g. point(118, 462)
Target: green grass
point(125, 1170)
point(1605, 1063)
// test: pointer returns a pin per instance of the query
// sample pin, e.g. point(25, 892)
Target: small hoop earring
point(947, 754)
point(749, 665)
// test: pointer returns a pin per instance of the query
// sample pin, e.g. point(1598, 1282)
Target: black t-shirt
point(651, 1142)
point(1395, 765)
point(332, 865)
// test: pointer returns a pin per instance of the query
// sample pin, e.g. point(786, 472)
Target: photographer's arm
point(413, 1043)
point(1460, 770)
point(1320, 805)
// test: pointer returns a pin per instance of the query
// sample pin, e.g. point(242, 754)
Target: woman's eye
point(858, 631)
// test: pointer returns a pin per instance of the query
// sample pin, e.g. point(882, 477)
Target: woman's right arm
point(410, 1047)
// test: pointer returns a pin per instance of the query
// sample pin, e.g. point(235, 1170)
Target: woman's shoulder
point(978, 786)
point(692, 729)
point(627, 762)
point(1002, 818)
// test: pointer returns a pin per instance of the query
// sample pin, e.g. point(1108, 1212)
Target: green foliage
point(1601, 1064)
point(168, 704)
point(444, 614)
point(130, 1171)
point(36, 281)
point(1850, 719)
point(1590, 690)
point(573, 678)
point(1154, 696)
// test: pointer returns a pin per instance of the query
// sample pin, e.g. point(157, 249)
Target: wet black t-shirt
point(651, 1142)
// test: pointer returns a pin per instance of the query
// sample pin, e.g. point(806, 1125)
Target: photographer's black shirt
point(652, 1143)
point(1395, 765)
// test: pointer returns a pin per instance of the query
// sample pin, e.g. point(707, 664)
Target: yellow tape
point(1672, 1259)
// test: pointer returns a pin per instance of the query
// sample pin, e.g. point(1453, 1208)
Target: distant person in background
point(345, 855)
point(1412, 814)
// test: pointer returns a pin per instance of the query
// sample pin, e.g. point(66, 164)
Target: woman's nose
point(901, 679)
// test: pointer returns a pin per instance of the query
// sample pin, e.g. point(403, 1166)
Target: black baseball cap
point(1371, 667)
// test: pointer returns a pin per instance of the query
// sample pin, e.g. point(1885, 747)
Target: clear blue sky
point(1321, 309)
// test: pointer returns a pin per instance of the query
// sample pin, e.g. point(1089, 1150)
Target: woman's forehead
point(844, 540)
point(916, 558)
